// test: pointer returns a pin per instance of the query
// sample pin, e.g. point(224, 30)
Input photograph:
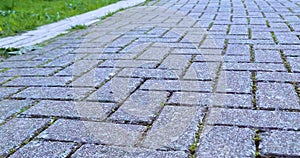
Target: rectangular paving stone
point(202, 70)
point(294, 63)
point(235, 82)
point(28, 72)
point(90, 150)
point(83, 110)
point(110, 56)
point(17, 130)
point(44, 149)
point(280, 143)
point(267, 56)
point(175, 128)
point(78, 68)
point(129, 64)
point(206, 99)
point(39, 81)
point(18, 64)
point(222, 141)
point(52, 93)
point(176, 62)
point(254, 118)
point(50, 55)
point(277, 95)
point(140, 107)
point(177, 85)
point(148, 73)
point(10, 107)
point(95, 77)
point(278, 76)
point(154, 53)
point(64, 60)
point(253, 67)
point(115, 90)
point(237, 49)
point(93, 132)
point(6, 91)
point(4, 79)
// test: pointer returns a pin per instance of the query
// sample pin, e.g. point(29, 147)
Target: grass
point(18, 16)
point(4, 52)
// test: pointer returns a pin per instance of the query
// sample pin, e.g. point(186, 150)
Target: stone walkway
point(172, 78)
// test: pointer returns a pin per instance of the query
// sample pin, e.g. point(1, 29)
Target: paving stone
point(94, 151)
point(280, 143)
point(148, 73)
point(294, 62)
point(93, 132)
point(52, 93)
point(154, 53)
point(140, 107)
point(10, 107)
point(115, 90)
point(129, 64)
point(18, 64)
point(64, 60)
point(175, 128)
point(84, 110)
point(176, 62)
point(253, 67)
point(78, 68)
point(235, 49)
point(4, 79)
point(278, 76)
point(28, 72)
point(254, 118)
point(110, 56)
point(44, 149)
point(177, 85)
point(206, 99)
point(53, 54)
point(39, 81)
point(222, 141)
point(95, 77)
point(267, 56)
point(239, 29)
point(277, 95)
point(6, 91)
point(235, 82)
point(202, 71)
point(16, 131)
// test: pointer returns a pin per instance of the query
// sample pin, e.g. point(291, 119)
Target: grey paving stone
point(39, 81)
point(3, 79)
point(53, 54)
point(294, 62)
point(52, 93)
point(239, 29)
point(78, 68)
point(28, 72)
point(148, 73)
point(237, 49)
point(84, 110)
point(253, 67)
point(64, 60)
point(93, 132)
point(16, 131)
point(267, 56)
point(278, 76)
point(44, 149)
point(129, 64)
point(115, 90)
point(277, 95)
point(154, 53)
point(280, 143)
point(10, 107)
point(254, 118)
point(6, 91)
point(235, 82)
point(94, 151)
point(216, 99)
point(176, 62)
point(221, 141)
point(140, 107)
point(177, 85)
point(95, 77)
point(202, 71)
point(18, 64)
point(174, 129)
point(110, 56)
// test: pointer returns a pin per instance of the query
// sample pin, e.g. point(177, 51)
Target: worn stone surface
point(6, 91)
point(93, 132)
point(280, 143)
point(84, 110)
point(103, 151)
point(44, 149)
point(222, 141)
point(39, 81)
point(235, 82)
point(16, 131)
point(10, 107)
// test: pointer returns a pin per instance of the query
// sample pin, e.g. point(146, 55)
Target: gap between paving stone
point(49, 31)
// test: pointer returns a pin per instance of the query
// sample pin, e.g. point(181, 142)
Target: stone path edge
point(52, 30)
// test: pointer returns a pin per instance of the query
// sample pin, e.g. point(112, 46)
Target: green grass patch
point(18, 16)
point(78, 27)
point(4, 52)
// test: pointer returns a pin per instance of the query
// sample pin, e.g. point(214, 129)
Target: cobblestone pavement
point(170, 78)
